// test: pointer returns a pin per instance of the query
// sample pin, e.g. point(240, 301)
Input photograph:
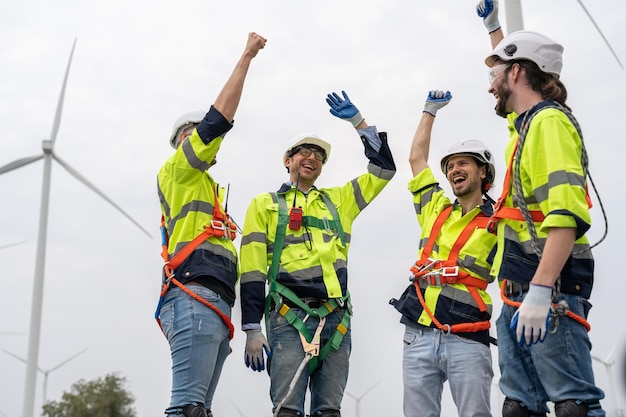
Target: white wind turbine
point(35, 319)
point(360, 397)
point(515, 21)
point(608, 364)
point(46, 372)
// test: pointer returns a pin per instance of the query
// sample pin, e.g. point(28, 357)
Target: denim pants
point(432, 357)
point(199, 344)
point(557, 369)
point(327, 384)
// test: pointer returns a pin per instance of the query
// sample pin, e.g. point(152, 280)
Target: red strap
point(472, 283)
point(455, 328)
point(224, 317)
point(514, 213)
point(220, 226)
point(479, 221)
point(517, 304)
point(434, 232)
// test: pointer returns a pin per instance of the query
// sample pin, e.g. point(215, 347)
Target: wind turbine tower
point(37, 298)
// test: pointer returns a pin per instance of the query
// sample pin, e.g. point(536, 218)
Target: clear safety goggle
point(495, 71)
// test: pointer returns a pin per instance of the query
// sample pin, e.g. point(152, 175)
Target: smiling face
point(465, 176)
point(500, 88)
point(304, 169)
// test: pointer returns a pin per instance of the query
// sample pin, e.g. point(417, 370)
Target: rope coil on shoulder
point(517, 182)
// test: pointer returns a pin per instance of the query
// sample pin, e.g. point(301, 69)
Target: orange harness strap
point(448, 271)
point(516, 304)
point(221, 226)
point(513, 213)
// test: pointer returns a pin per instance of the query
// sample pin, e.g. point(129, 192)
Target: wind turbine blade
point(19, 163)
point(18, 358)
point(14, 355)
point(67, 360)
point(238, 410)
point(611, 359)
point(8, 245)
point(601, 34)
point(59, 111)
point(84, 180)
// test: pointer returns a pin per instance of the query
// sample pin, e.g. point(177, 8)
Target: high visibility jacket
point(450, 303)
point(186, 193)
point(313, 262)
point(553, 182)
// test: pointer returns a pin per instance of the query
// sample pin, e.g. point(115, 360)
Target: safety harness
point(512, 179)
point(278, 292)
point(443, 272)
point(221, 226)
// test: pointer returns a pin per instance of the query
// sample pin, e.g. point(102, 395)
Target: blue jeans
point(327, 384)
point(430, 358)
point(557, 369)
point(199, 344)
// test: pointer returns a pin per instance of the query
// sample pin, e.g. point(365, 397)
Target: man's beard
point(504, 93)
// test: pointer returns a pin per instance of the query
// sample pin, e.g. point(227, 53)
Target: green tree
point(101, 397)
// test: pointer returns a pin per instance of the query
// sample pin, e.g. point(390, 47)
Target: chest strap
point(221, 226)
point(277, 291)
point(512, 177)
point(443, 272)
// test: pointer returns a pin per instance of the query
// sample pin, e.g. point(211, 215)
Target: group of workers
point(293, 270)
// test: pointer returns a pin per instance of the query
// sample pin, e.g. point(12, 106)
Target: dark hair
point(550, 87)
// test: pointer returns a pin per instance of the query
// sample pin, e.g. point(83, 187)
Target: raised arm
point(488, 10)
point(420, 147)
point(228, 99)
point(376, 146)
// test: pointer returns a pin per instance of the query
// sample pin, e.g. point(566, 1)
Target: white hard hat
point(187, 119)
point(307, 138)
point(475, 149)
point(525, 44)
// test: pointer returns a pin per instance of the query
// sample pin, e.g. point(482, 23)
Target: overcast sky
point(140, 64)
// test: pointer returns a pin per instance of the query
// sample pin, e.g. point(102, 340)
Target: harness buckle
point(433, 278)
point(430, 263)
point(226, 229)
point(313, 348)
point(450, 271)
point(326, 225)
point(219, 225)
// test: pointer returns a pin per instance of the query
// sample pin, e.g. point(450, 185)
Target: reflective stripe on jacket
point(313, 261)
point(186, 194)
point(451, 303)
point(553, 182)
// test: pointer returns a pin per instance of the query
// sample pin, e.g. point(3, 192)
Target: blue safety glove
point(530, 321)
point(344, 109)
point(436, 100)
point(256, 343)
point(488, 10)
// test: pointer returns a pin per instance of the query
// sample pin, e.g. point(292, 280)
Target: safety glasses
point(495, 71)
point(319, 154)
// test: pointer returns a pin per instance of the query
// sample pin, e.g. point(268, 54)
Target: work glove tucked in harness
point(344, 109)
point(436, 99)
point(488, 10)
point(530, 321)
point(255, 344)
